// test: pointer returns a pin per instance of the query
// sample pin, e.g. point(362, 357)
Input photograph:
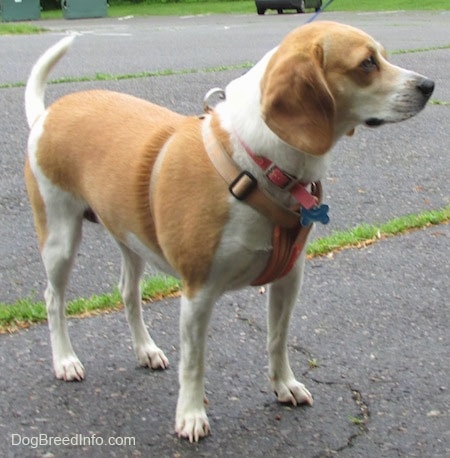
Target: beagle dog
point(151, 178)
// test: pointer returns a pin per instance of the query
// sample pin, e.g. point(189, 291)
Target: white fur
point(64, 214)
point(35, 89)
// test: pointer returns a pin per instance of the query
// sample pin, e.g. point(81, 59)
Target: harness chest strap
point(287, 246)
point(243, 186)
point(289, 236)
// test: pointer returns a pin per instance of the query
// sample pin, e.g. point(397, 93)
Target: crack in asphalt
point(361, 421)
point(364, 420)
point(363, 417)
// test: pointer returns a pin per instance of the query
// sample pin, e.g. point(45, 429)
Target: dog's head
point(326, 78)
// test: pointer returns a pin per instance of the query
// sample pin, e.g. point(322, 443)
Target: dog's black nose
point(426, 87)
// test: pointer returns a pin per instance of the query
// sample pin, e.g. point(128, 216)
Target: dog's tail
point(35, 89)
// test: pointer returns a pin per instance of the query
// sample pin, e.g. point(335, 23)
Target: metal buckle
point(242, 185)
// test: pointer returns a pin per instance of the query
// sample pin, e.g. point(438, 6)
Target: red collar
point(282, 179)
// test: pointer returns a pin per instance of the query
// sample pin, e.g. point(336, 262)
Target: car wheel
point(280, 11)
point(301, 8)
point(261, 11)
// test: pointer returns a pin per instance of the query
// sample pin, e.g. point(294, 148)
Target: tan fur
point(111, 172)
point(296, 102)
point(101, 165)
point(37, 204)
point(189, 221)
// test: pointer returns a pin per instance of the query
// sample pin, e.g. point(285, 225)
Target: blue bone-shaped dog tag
point(318, 213)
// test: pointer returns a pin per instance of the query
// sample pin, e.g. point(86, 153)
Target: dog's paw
point(193, 426)
point(69, 369)
point(293, 392)
point(152, 356)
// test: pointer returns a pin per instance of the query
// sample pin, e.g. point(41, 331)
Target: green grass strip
point(414, 50)
point(439, 102)
point(20, 29)
point(25, 312)
point(366, 234)
point(127, 76)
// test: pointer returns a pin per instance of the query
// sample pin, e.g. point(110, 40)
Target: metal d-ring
point(218, 92)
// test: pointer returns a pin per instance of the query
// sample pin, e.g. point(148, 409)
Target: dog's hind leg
point(282, 296)
point(58, 217)
point(64, 221)
point(147, 352)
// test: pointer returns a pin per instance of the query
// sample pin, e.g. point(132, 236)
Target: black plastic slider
point(242, 185)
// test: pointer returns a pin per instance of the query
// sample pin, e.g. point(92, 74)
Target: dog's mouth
point(374, 122)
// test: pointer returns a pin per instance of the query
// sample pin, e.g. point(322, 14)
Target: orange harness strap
point(287, 246)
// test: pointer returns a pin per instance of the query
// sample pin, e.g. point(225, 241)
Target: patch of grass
point(26, 312)
point(365, 234)
point(21, 314)
point(357, 421)
point(183, 8)
point(159, 286)
point(19, 28)
point(313, 363)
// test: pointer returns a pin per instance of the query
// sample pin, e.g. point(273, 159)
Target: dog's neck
point(240, 115)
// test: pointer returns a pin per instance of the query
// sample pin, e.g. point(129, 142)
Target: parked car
point(280, 5)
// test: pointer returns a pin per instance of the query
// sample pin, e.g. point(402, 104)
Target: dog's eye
point(369, 65)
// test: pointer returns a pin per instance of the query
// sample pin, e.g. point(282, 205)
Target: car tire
point(280, 11)
point(302, 7)
point(260, 11)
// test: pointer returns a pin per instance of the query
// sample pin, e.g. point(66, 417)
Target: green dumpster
point(78, 9)
point(19, 10)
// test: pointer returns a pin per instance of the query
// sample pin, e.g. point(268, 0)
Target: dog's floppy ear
point(296, 103)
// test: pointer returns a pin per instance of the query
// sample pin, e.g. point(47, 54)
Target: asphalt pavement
point(370, 333)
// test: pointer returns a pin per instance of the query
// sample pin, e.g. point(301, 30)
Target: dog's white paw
point(152, 356)
point(192, 426)
point(292, 392)
point(69, 369)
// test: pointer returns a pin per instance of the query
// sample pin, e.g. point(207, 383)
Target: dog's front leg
point(282, 298)
point(191, 419)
